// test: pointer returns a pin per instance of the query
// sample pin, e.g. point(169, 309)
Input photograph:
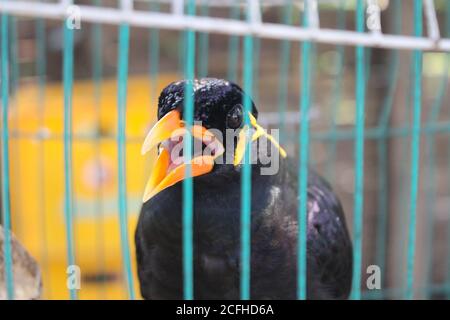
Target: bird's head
point(218, 110)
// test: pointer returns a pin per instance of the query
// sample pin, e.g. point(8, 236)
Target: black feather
point(274, 228)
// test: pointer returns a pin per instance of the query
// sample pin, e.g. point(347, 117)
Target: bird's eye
point(234, 117)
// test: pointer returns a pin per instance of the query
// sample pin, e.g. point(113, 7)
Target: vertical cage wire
point(415, 150)
point(68, 169)
point(305, 101)
point(246, 173)
point(188, 207)
point(382, 133)
point(6, 203)
point(122, 77)
point(359, 157)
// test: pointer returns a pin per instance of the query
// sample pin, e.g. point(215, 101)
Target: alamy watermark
point(73, 20)
point(73, 281)
point(373, 281)
point(263, 151)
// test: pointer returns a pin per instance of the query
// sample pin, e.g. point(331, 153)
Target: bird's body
point(274, 236)
point(217, 240)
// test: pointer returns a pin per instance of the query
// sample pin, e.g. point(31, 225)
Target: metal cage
point(191, 18)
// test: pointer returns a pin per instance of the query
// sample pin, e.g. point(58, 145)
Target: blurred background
point(155, 59)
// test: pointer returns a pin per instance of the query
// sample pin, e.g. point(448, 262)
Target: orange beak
point(166, 172)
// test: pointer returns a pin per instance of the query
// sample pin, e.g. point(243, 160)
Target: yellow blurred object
point(37, 180)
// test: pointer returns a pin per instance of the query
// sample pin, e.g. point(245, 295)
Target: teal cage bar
point(188, 239)
point(124, 35)
point(6, 210)
point(68, 183)
point(357, 132)
point(359, 157)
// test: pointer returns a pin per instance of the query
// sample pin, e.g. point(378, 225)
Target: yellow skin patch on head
point(259, 132)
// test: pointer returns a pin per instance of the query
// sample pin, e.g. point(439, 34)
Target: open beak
point(259, 132)
point(169, 167)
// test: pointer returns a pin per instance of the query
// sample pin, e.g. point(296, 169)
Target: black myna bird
point(217, 209)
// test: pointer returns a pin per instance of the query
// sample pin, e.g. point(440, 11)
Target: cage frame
point(179, 19)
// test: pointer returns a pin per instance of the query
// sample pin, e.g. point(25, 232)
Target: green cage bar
point(406, 201)
point(124, 39)
point(359, 157)
point(6, 205)
point(188, 206)
point(415, 149)
point(304, 140)
point(246, 173)
point(68, 169)
point(246, 176)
